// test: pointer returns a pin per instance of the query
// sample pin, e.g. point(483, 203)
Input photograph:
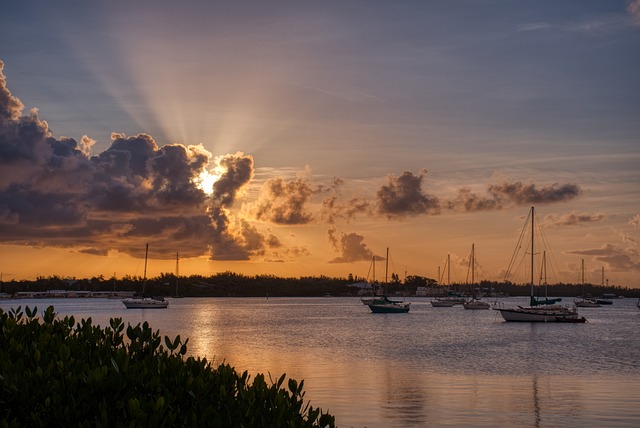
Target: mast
point(448, 270)
point(473, 264)
point(386, 272)
point(177, 271)
point(144, 278)
point(532, 252)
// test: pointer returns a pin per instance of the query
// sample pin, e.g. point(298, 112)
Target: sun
point(205, 181)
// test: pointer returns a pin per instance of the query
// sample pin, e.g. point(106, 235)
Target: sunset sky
point(303, 138)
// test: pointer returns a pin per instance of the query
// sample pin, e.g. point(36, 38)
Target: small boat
point(475, 303)
point(145, 302)
point(453, 298)
point(533, 312)
point(605, 299)
point(381, 304)
point(443, 303)
point(585, 301)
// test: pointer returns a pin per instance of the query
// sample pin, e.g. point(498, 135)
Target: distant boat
point(585, 301)
point(537, 301)
point(452, 299)
point(145, 302)
point(475, 302)
point(535, 313)
point(381, 304)
point(604, 300)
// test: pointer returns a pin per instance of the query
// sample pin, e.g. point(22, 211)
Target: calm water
point(430, 367)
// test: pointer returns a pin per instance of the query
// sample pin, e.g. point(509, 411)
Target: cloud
point(10, 106)
point(53, 192)
point(572, 219)
point(403, 195)
point(534, 26)
point(635, 221)
point(239, 240)
point(350, 246)
point(507, 194)
point(467, 201)
point(284, 202)
point(618, 259)
point(333, 208)
point(524, 194)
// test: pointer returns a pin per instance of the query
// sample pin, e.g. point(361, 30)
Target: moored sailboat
point(536, 313)
point(381, 304)
point(452, 298)
point(585, 301)
point(145, 302)
point(474, 302)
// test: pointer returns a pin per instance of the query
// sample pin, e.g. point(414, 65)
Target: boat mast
point(386, 272)
point(177, 271)
point(144, 278)
point(532, 252)
point(473, 264)
point(448, 270)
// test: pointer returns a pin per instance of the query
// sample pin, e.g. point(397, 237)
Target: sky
point(305, 138)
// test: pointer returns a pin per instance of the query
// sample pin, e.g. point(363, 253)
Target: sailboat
point(144, 302)
point(474, 302)
point(381, 304)
point(452, 298)
point(535, 312)
point(535, 301)
point(604, 300)
point(585, 302)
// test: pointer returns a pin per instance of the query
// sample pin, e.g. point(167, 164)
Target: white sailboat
point(585, 301)
point(144, 302)
point(604, 300)
point(535, 312)
point(448, 301)
point(475, 302)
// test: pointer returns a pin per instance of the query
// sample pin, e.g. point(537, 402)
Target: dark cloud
point(403, 195)
point(284, 202)
point(525, 194)
point(572, 219)
point(350, 246)
point(507, 194)
point(617, 258)
point(238, 171)
point(54, 193)
point(241, 240)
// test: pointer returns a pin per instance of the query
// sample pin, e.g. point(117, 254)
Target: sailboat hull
point(537, 315)
point(389, 308)
point(384, 305)
point(145, 303)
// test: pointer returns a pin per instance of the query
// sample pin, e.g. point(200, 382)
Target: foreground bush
point(54, 372)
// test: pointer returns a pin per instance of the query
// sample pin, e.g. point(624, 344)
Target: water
point(434, 367)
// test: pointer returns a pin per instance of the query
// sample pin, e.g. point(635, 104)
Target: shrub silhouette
point(54, 372)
